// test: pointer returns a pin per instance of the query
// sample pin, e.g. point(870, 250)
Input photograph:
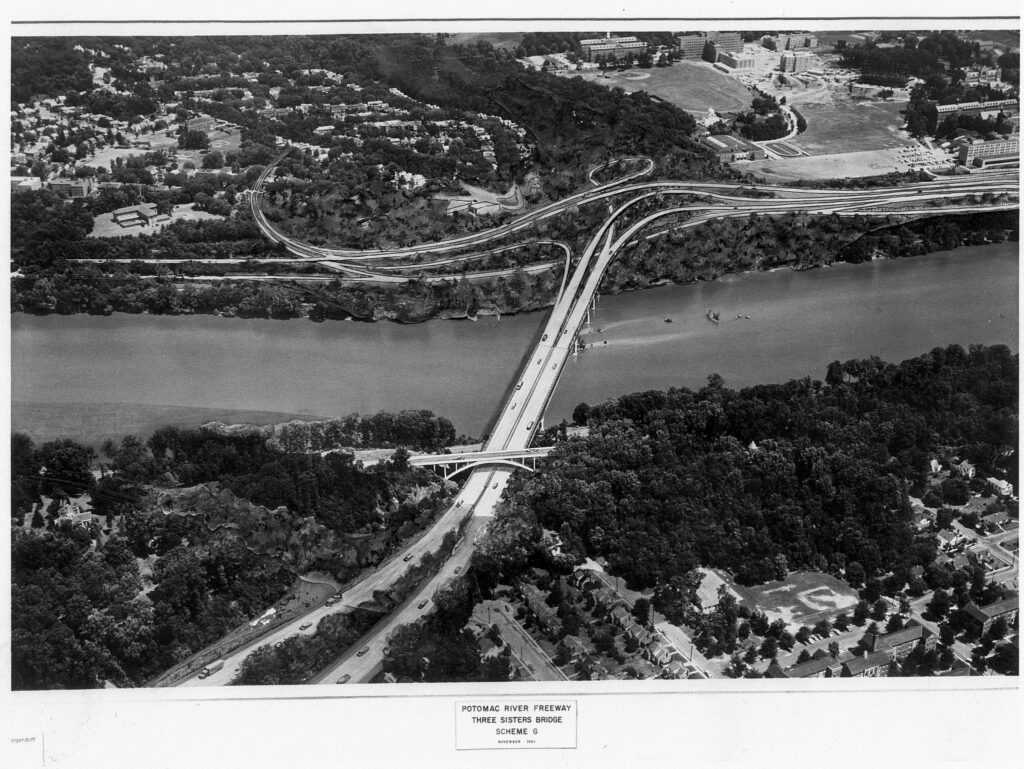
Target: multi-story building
point(613, 47)
point(726, 41)
point(691, 46)
point(789, 41)
point(983, 616)
point(738, 60)
point(899, 643)
point(72, 188)
point(1002, 151)
point(794, 61)
point(201, 123)
point(874, 665)
point(731, 148)
point(979, 107)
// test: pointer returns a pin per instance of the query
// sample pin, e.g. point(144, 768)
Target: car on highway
point(344, 679)
point(512, 407)
point(554, 366)
point(459, 503)
point(520, 385)
point(529, 426)
point(305, 626)
point(408, 557)
point(495, 485)
point(422, 603)
point(538, 361)
point(544, 338)
point(458, 570)
point(362, 651)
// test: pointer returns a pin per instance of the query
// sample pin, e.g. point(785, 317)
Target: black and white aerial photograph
point(636, 357)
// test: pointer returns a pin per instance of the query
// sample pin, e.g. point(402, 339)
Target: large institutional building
point(1003, 151)
point(615, 47)
point(794, 61)
point(693, 45)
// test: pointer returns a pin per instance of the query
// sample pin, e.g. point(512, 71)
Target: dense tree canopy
point(775, 477)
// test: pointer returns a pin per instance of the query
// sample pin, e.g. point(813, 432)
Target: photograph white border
point(909, 722)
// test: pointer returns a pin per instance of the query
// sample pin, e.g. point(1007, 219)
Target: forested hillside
point(801, 475)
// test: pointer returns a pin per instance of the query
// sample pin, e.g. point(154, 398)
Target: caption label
point(483, 725)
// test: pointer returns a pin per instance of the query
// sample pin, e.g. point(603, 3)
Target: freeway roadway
point(364, 659)
point(523, 410)
point(472, 494)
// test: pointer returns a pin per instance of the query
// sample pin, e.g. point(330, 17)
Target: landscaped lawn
point(852, 126)
point(804, 596)
point(691, 86)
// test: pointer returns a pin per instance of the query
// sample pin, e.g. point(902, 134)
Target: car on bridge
point(529, 426)
point(544, 338)
point(344, 679)
point(512, 407)
point(520, 385)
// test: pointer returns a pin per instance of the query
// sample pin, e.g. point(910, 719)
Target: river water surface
point(798, 323)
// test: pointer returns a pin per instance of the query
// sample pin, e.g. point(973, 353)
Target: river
point(70, 374)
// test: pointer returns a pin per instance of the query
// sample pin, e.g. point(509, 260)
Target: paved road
point(362, 668)
point(472, 493)
point(524, 647)
point(521, 415)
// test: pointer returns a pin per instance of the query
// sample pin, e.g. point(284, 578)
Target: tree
point(194, 140)
point(895, 623)
point(860, 613)
point(804, 656)
point(786, 641)
point(642, 610)
point(939, 606)
point(997, 629)
point(66, 468)
point(37, 520)
point(946, 634)
point(214, 159)
point(769, 648)
point(400, 460)
point(833, 650)
point(842, 622)
point(879, 609)
point(580, 414)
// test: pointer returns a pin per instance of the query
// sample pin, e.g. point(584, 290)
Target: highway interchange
point(522, 412)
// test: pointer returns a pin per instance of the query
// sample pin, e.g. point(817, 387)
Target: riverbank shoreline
point(379, 315)
point(801, 320)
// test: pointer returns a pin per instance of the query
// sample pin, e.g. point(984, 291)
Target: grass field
point(804, 597)
point(843, 165)
point(103, 226)
point(851, 126)
point(691, 86)
point(92, 423)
